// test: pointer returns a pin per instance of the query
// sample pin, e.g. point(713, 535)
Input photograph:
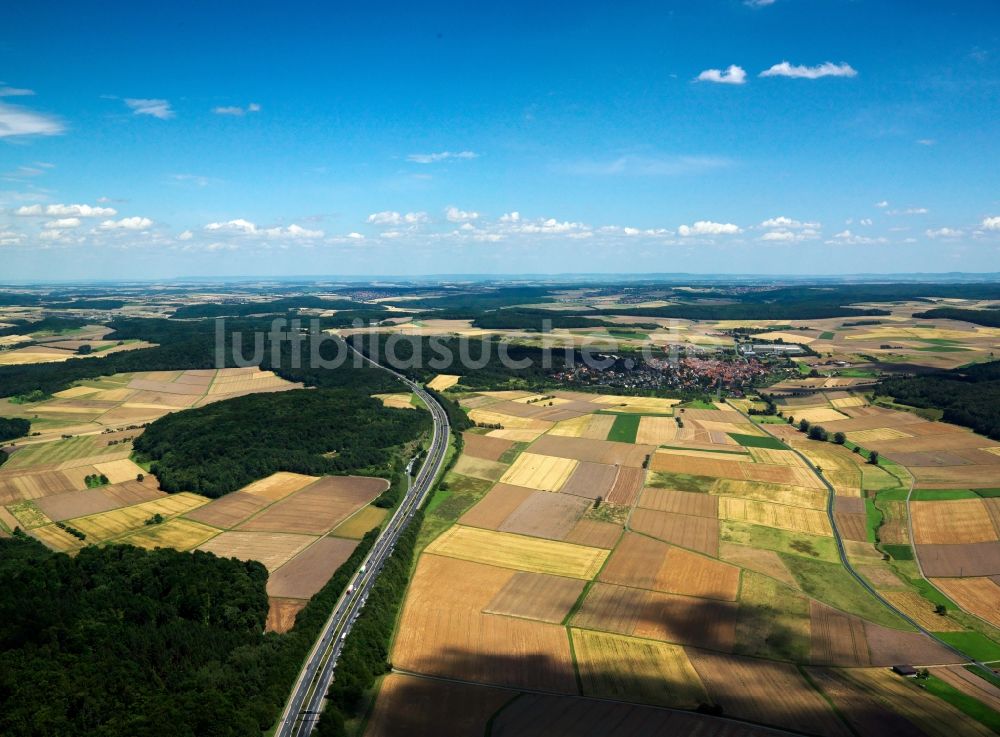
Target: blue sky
point(792, 136)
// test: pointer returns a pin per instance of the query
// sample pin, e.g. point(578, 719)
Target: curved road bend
point(303, 708)
point(842, 550)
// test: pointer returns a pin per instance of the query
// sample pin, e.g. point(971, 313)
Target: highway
point(305, 703)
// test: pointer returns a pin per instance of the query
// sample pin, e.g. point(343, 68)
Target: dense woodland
point(12, 428)
point(969, 396)
point(987, 318)
point(218, 448)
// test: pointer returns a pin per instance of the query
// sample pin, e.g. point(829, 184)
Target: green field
point(680, 481)
point(963, 702)
point(942, 495)
point(826, 336)
point(899, 552)
point(792, 544)
point(55, 452)
point(625, 428)
point(448, 505)
point(758, 441)
point(973, 644)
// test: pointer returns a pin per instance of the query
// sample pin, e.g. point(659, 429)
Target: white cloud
point(851, 239)
point(455, 215)
point(882, 205)
point(758, 3)
point(157, 108)
point(293, 231)
point(20, 121)
point(732, 75)
point(391, 217)
point(236, 110)
point(944, 233)
point(434, 158)
point(185, 236)
point(865, 221)
point(910, 211)
point(548, 226)
point(790, 236)
point(510, 217)
point(355, 236)
point(926, 141)
point(132, 223)
point(6, 91)
point(62, 223)
point(785, 222)
point(239, 226)
point(991, 223)
point(826, 69)
point(707, 227)
point(82, 211)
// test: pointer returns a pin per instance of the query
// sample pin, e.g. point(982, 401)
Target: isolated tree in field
point(804, 425)
point(941, 609)
point(839, 438)
point(140, 477)
point(873, 458)
point(817, 432)
point(791, 419)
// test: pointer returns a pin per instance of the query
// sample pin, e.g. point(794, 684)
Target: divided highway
point(303, 708)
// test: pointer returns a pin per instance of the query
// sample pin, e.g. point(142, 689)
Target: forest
point(218, 448)
point(986, 318)
point(12, 428)
point(969, 396)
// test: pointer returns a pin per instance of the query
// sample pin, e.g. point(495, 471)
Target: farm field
point(711, 576)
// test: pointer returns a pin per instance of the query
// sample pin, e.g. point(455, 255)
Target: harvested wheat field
point(479, 468)
point(595, 427)
point(763, 561)
point(794, 519)
point(880, 576)
point(628, 483)
point(365, 519)
point(595, 533)
point(680, 502)
point(482, 446)
point(281, 614)
point(518, 435)
point(120, 471)
point(273, 549)
point(959, 520)
point(443, 631)
point(496, 506)
point(790, 495)
point(920, 610)
point(442, 382)
point(837, 638)
point(973, 559)
point(534, 471)
point(680, 619)
point(71, 504)
point(106, 525)
point(422, 707)
point(56, 538)
point(977, 595)
point(536, 596)
point(656, 430)
point(766, 692)
point(400, 400)
point(519, 552)
point(178, 533)
point(279, 485)
point(935, 716)
point(864, 711)
point(546, 515)
point(229, 510)
point(594, 451)
point(553, 716)
point(319, 507)
point(629, 669)
point(591, 480)
point(843, 402)
point(488, 417)
point(644, 563)
point(307, 572)
point(696, 533)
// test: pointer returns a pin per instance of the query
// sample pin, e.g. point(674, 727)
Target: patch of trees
point(540, 320)
point(13, 427)
point(457, 418)
point(223, 446)
point(277, 306)
point(987, 318)
point(471, 304)
point(969, 396)
point(48, 324)
point(88, 304)
point(366, 652)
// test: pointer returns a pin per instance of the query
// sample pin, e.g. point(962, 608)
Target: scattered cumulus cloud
point(132, 223)
point(910, 211)
point(391, 217)
point(991, 223)
point(882, 205)
point(147, 106)
point(826, 69)
point(236, 110)
point(185, 235)
point(435, 158)
point(758, 3)
point(242, 227)
point(63, 223)
point(16, 120)
point(944, 233)
point(852, 239)
point(732, 75)
point(455, 215)
point(785, 222)
point(707, 227)
point(83, 211)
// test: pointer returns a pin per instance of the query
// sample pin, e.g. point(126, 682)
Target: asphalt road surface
point(303, 708)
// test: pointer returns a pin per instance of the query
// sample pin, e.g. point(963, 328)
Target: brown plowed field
point(956, 477)
point(851, 526)
point(496, 506)
point(536, 596)
point(443, 631)
point(281, 614)
point(479, 468)
point(595, 533)
point(766, 692)
point(696, 533)
point(965, 520)
point(837, 638)
point(627, 485)
point(230, 510)
point(91, 501)
point(544, 514)
point(424, 707)
point(591, 480)
point(681, 619)
point(319, 507)
point(680, 502)
point(880, 576)
point(763, 561)
point(593, 451)
point(974, 559)
point(888, 646)
point(15, 487)
point(554, 716)
point(307, 572)
point(273, 549)
point(863, 710)
point(981, 596)
point(481, 446)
